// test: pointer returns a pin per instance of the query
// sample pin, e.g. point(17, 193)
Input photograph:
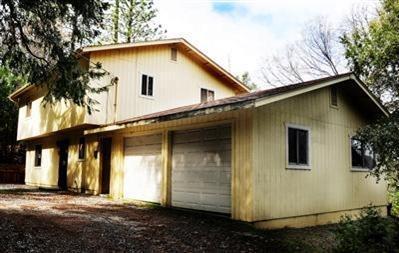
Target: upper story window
point(362, 155)
point(28, 109)
point(207, 95)
point(38, 155)
point(81, 148)
point(334, 96)
point(298, 147)
point(173, 54)
point(147, 85)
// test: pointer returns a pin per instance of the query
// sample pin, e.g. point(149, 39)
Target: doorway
point(63, 164)
point(105, 164)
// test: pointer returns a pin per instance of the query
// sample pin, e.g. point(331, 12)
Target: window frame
point(292, 166)
point(141, 74)
point(35, 158)
point(84, 149)
point(331, 97)
point(357, 168)
point(207, 91)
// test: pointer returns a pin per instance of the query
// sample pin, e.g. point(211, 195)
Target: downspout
point(115, 81)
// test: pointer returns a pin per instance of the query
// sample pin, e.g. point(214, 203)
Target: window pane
point(204, 95)
point(368, 158)
point(292, 146)
point(356, 149)
point(173, 54)
point(38, 155)
point(144, 85)
point(81, 148)
point(211, 95)
point(302, 146)
point(150, 81)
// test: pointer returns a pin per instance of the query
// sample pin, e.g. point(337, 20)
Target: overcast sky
point(238, 34)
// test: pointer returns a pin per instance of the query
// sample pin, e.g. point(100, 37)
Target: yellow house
point(179, 130)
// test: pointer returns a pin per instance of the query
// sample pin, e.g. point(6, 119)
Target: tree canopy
point(373, 54)
point(39, 40)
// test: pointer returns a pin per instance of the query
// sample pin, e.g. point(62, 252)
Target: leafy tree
point(372, 50)
point(132, 20)
point(8, 121)
point(39, 39)
point(246, 79)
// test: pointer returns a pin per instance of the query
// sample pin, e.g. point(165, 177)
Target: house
point(179, 130)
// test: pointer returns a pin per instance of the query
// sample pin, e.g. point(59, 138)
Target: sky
point(239, 34)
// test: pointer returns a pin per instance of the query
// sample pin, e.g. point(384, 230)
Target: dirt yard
point(33, 220)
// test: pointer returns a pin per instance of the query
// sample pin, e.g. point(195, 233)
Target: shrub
point(369, 232)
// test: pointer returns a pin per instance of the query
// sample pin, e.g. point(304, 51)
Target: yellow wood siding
point(47, 119)
point(329, 185)
point(241, 167)
point(47, 174)
point(176, 83)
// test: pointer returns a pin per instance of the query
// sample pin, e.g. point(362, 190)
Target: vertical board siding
point(180, 80)
point(329, 185)
point(242, 156)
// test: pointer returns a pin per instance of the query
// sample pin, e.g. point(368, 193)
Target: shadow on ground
point(47, 221)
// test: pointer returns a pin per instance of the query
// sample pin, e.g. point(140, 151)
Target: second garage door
point(201, 169)
point(143, 168)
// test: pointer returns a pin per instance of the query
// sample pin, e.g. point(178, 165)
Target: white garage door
point(201, 169)
point(143, 168)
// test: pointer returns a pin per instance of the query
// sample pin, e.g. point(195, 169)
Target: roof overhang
point(240, 102)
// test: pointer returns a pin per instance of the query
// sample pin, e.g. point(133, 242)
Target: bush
point(367, 233)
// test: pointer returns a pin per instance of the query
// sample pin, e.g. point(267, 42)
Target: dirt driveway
point(33, 220)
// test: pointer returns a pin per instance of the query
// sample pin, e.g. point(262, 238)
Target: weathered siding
point(330, 185)
point(176, 83)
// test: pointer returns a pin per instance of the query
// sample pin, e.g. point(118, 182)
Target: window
point(362, 155)
point(334, 96)
point(147, 85)
point(298, 147)
point(173, 54)
point(38, 155)
point(207, 95)
point(81, 148)
point(28, 109)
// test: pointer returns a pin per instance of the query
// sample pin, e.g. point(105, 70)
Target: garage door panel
point(143, 168)
point(201, 169)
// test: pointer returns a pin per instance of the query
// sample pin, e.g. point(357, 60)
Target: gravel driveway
point(33, 220)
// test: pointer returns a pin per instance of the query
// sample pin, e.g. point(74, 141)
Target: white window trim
point(170, 55)
point(153, 86)
point(297, 166)
point(34, 156)
point(354, 168)
point(209, 89)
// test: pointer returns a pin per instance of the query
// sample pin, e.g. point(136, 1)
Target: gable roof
point(183, 44)
point(188, 48)
point(250, 100)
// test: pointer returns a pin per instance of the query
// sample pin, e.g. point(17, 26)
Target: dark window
point(298, 146)
point(207, 95)
point(173, 54)
point(362, 155)
point(28, 109)
point(334, 96)
point(82, 146)
point(147, 85)
point(38, 155)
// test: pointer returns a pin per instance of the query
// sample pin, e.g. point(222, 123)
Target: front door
point(105, 164)
point(63, 164)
